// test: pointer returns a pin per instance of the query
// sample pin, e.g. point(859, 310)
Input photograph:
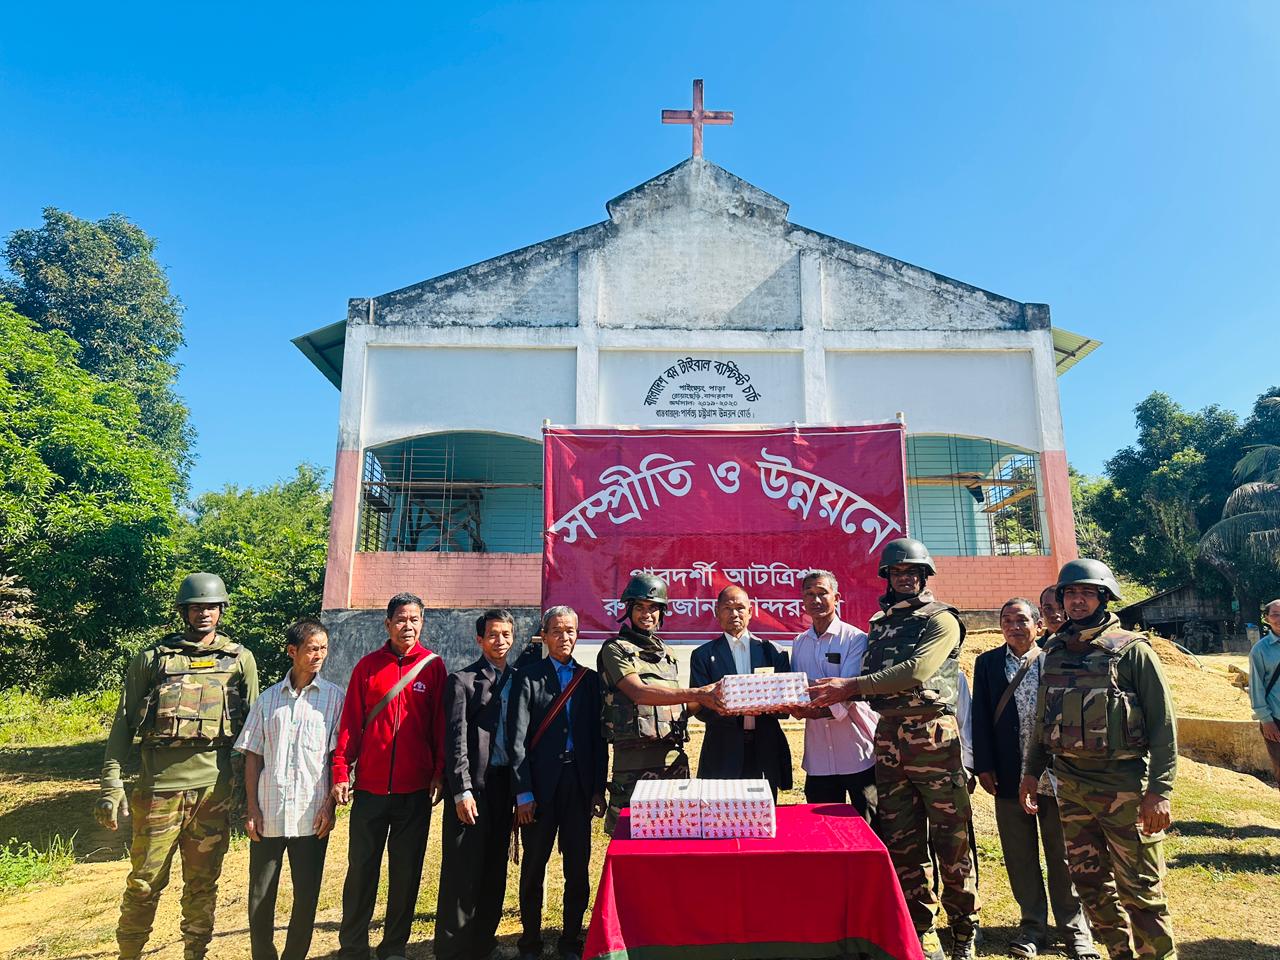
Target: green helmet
point(1093, 572)
point(202, 588)
point(645, 586)
point(905, 550)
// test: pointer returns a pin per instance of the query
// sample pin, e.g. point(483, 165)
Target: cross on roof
point(697, 117)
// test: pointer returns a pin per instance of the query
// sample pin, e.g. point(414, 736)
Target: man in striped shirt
point(287, 741)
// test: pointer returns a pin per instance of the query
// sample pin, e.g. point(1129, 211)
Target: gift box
point(760, 692)
point(666, 810)
point(737, 808)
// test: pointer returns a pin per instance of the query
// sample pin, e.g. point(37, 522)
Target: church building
point(446, 385)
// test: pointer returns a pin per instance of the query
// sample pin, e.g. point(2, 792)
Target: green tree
point(269, 546)
point(86, 511)
point(100, 284)
point(1165, 490)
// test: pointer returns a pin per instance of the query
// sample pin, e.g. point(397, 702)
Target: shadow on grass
point(66, 810)
point(1206, 828)
point(1222, 948)
point(1229, 862)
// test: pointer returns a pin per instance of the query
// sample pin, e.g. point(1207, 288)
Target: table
point(823, 887)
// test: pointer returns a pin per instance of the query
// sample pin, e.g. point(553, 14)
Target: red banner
point(705, 508)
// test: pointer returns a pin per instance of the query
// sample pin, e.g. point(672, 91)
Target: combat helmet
point(645, 586)
point(1093, 572)
point(905, 550)
point(201, 588)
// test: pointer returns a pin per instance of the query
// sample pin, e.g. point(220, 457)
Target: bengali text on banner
point(706, 508)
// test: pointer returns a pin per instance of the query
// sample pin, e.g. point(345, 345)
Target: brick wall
point(515, 579)
point(448, 579)
point(984, 583)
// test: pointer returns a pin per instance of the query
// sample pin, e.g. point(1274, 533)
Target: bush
point(30, 720)
point(21, 864)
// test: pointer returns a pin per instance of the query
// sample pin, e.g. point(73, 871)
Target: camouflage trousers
point(923, 796)
point(195, 823)
point(631, 764)
point(1118, 871)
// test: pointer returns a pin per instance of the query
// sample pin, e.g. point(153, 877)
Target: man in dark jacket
point(559, 762)
point(740, 747)
point(1002, 722)
point(477, 809)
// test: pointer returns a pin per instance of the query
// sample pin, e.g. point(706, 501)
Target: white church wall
point(700, 387)
point(875, 293)
point(976, 393)
point(694, 269)
point(416, 390)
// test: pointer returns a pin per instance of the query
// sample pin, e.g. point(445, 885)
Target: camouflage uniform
point(910, 677)
point(648, 741)
point(187, 702)
point(1104, 714)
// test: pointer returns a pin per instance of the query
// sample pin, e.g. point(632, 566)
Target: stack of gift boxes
point(716, 809)
point(762, 692)
point(707, 809)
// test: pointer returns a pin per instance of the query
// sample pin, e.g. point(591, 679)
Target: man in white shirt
point(748, 746)
point(839, 749)
point(287, 742)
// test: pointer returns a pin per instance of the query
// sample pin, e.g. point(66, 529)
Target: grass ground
point(1224, 860)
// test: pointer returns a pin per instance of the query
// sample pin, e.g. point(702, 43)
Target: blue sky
point(1117, 161)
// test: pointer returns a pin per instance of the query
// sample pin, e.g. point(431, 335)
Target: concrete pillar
point(344, 517)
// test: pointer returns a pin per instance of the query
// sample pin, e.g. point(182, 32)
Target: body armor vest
point(195, 700)
point(626, 722)
point(893, 639)
point(1087, 714)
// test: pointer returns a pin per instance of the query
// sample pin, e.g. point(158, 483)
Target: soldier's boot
point(931, 945)
point(964, 948)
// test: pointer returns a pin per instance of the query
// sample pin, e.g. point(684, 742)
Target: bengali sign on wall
point(701, 388)
point(705, 508)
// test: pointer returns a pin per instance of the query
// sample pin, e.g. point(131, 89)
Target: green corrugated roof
point(324, 348)
point(1070, 348)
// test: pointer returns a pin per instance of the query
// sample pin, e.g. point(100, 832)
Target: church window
point(974, 497)
point(457, 492)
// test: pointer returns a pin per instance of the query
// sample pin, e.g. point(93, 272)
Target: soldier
point(910, 676)
point(186, 697)
point(1104, 714)
point(645, 712)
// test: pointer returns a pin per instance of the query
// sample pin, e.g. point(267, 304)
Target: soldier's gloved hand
point(112, 805)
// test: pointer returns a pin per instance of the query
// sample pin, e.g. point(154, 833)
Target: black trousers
point(473, 874)
point(569, 815)
point(860, 788)
point(751, 766)
point(306, 868)
point(400, 822)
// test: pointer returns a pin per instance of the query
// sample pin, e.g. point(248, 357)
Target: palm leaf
point(1254, 535)
point(1261, 462)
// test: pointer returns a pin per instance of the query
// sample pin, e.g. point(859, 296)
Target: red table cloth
point(823, 887)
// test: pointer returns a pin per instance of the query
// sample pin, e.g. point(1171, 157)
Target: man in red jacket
point(392, 734)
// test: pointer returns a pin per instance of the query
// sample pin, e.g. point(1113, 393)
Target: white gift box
point(666, 810)
point(737, 808)
point(752, 692)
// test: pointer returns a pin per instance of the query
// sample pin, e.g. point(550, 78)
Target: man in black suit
point(740, 747)
point(477, 824)
point(559, 761)
point(998, 746)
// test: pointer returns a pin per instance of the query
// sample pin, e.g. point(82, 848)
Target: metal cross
point(697, 117)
